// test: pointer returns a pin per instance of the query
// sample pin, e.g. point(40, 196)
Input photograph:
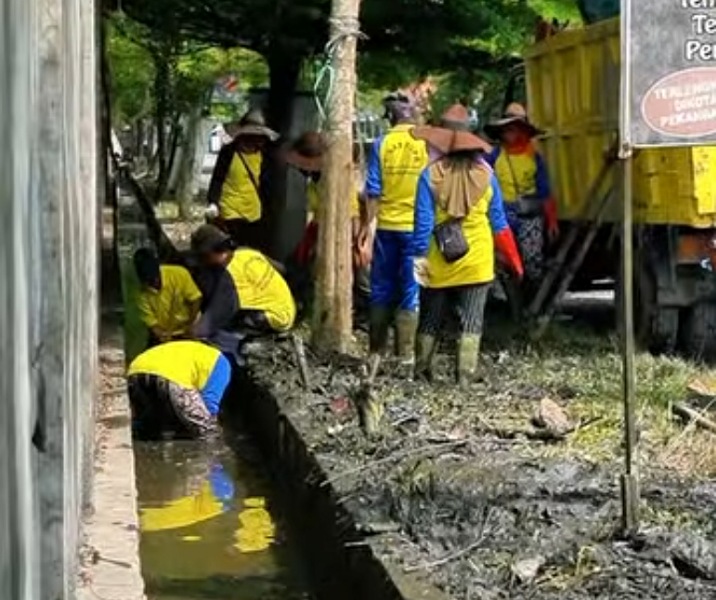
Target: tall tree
point(334, 285)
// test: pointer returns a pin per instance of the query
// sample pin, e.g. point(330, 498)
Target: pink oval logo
point(682, 104)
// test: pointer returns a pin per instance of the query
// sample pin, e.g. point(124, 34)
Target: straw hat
point(306, 153)
point(514, 114)
point(253, 123)
point(453, 134)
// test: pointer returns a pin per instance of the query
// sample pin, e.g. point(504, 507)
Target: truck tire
point(698, 332)
point(656, 328)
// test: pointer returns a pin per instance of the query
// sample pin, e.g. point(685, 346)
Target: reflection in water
point(207, 527)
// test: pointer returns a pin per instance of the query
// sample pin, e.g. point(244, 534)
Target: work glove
point(421, 271)
point(507, 251)
point(211, 212)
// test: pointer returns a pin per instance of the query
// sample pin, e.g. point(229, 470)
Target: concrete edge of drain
point(110, 566)
point(322, 524)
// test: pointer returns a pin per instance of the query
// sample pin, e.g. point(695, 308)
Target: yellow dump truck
point(571, 83)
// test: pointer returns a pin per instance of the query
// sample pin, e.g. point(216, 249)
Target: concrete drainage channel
point(340, 563)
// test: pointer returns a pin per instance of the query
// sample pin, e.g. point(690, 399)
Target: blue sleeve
point(542, 179)
point(424, 215)
point(374, 177)
point(491, 158)
point(496, 212)
point(216, 385)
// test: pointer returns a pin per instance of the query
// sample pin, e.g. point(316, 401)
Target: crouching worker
point(245, 294)
point(169, 300)
point(177, 387)
point(459, 219)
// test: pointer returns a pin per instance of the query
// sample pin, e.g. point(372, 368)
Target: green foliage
point(464, 40)
point(136, 53)
point(562, 10)
point(132, 74)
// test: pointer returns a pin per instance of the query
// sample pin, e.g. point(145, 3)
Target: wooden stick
point(689, 414)
point(300, 350)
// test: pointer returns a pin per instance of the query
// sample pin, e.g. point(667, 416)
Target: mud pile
point(455, 490)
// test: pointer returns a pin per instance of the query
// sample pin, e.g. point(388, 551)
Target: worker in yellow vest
point(177, 387)
point(169, 300)
point(306, 155)
point(522, 174)
point(459, 221)
point(235, 190)
point(244, 292)
point(394, 167)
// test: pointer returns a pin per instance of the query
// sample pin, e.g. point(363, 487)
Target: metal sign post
point(668, 98)
point(629, 479)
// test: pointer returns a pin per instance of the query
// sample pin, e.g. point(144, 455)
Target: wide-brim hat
point(254, 124)
point(453, 133)
point(209, 238)
point(515, 114)
point(307, 152)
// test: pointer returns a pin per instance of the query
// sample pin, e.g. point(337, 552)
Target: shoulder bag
point(526, 206)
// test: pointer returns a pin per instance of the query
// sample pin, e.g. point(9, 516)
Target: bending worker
point(459, 219)
point(244, 292)
point(169, 300)
point(394, 166)
point(235, 187)
point(522, 174)
point(177, 387)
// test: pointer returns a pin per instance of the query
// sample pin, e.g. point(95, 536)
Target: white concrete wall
point(48, 289)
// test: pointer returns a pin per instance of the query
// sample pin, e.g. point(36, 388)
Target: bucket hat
point(306, 153)
point(209, 238)
point(514, 113)
point(453, 133)
point(253, 123)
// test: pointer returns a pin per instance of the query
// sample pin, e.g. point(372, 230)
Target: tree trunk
point(332, 325)
point(186, 164)
point(284, 69)
point(162, 95)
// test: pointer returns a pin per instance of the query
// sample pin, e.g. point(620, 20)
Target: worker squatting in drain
point(440, 213)
point(178, 386)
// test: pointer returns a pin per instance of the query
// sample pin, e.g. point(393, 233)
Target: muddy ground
point(456, 490)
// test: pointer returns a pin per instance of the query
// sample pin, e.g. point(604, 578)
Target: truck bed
point(573, 83)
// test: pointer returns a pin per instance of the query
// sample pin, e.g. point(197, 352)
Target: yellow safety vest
point(189, 364)
point(478, 265)
point(239, 196)
point(520, 179)
point(313, 196)
point(260, 286)
point(402, 160)
point(172, 308)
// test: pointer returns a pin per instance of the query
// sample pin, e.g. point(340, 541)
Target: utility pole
point(333, 309)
